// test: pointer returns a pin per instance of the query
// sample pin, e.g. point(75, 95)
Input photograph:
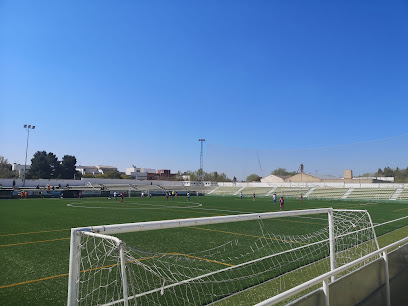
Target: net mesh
point(248, 261)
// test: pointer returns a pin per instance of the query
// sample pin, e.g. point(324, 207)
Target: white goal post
point(102, 264)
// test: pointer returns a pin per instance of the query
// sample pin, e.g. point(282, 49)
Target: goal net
point(224, 259)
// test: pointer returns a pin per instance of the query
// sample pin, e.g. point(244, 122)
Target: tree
point(40, 167)
point(88, 175)
point(44, 165)
point(253, 178)
point(388, 172)
point(68, 167)
point(282, 172)
point(5, 168)
point(110, 174)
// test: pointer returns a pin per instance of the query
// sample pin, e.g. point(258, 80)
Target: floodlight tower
point(28, 128)
point(201, 171)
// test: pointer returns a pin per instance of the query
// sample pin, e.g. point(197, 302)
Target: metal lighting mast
point(201, 173)
point(28, 128)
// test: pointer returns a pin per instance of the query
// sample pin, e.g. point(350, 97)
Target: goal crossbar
point(166, 224)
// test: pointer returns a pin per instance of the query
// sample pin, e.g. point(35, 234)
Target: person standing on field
point(241, 195)
point(188, 196)
point(253, 196)
point(301, 198)
point(282, 203)
point(115, 195)
point(274, 197)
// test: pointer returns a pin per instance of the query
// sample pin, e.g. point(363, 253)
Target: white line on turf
point(133, 203)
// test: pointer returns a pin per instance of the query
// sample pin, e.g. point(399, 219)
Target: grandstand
point(224, 190)
point(291, 191)
point(403, 195)
point(371, 193)
point(328, 192)
point(262, 191)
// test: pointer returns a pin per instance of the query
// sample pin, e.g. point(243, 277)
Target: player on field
point(274, 197)
point(253, 196)
point(167, 196)
point(241, 195)
point(282, 203)
point(122, 195)
point(198, 194)
point(301, 198)
point(115, 195)
point(188, 196)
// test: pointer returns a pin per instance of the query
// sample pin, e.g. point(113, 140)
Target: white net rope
point(253, 263)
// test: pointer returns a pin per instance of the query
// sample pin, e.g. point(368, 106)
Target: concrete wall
point(365, 286)
point(84, 181)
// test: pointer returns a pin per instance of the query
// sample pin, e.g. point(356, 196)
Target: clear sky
point(139, 82)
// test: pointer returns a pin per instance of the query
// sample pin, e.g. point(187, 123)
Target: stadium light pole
point(28, 128)
point(200, 178)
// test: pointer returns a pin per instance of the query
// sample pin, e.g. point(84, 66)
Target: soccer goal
point(199, 261)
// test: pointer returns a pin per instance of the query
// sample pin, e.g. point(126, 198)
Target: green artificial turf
point(34, 233)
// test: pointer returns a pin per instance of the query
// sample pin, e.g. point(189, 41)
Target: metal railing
point(324, 278)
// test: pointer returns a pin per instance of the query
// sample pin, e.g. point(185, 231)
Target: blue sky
point(139, 82)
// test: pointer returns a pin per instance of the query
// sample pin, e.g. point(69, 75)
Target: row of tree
point(5, 169)
point(206, 176)
point(46, 166)
point(399, 175)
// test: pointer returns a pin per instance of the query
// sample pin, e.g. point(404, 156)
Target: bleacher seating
point(328, 192)
point(257, 190)
point(148, 187)
point(403, 195)
point(226, 190)
point(371, 193)
point(291, 192)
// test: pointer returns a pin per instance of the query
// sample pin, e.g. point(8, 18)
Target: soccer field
point(35, 233)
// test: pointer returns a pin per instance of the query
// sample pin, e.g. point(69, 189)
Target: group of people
point(171, 194)
point(174, 194)
point(167, 195)
point(116, 195)
point(274, 197)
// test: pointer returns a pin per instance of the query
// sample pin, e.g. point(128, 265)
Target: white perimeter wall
point(85, 181)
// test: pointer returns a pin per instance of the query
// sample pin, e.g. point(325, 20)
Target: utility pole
point(201, 171)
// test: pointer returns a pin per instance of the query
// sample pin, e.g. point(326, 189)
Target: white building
point(19, 169)
point(87, 170)
point(104, 169)
point(95, 169)
point(272, 179)
point(139, 173)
